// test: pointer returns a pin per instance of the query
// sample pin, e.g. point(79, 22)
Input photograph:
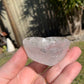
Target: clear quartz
point(48, 51)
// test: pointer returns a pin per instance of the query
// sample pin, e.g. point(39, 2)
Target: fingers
point(14, 65)
point(68, 74)
point(28, 76)
point(39, 68)
point(54, 72)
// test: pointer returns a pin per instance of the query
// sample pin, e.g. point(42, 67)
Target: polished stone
point(48, 51)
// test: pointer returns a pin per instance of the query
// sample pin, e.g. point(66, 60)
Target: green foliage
point(65, 6)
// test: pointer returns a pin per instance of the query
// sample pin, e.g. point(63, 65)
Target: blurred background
point(41, 18)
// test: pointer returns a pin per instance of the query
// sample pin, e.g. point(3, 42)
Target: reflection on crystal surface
point(48, 51)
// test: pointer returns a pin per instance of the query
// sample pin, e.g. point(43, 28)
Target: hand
point(15, 71)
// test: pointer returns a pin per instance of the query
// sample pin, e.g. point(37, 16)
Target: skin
point(15, 71)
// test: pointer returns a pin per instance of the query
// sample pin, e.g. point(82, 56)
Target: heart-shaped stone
point(48, 51)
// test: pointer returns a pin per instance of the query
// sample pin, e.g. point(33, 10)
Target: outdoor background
point(23, 18)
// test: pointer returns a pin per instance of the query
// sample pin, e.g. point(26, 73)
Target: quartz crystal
point(48, 51)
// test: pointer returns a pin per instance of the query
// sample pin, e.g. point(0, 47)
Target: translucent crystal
point(48, 51)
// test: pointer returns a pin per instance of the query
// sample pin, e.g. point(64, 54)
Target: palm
point(15, 71)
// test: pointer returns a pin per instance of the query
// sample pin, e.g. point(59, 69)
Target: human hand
point(15, 71)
